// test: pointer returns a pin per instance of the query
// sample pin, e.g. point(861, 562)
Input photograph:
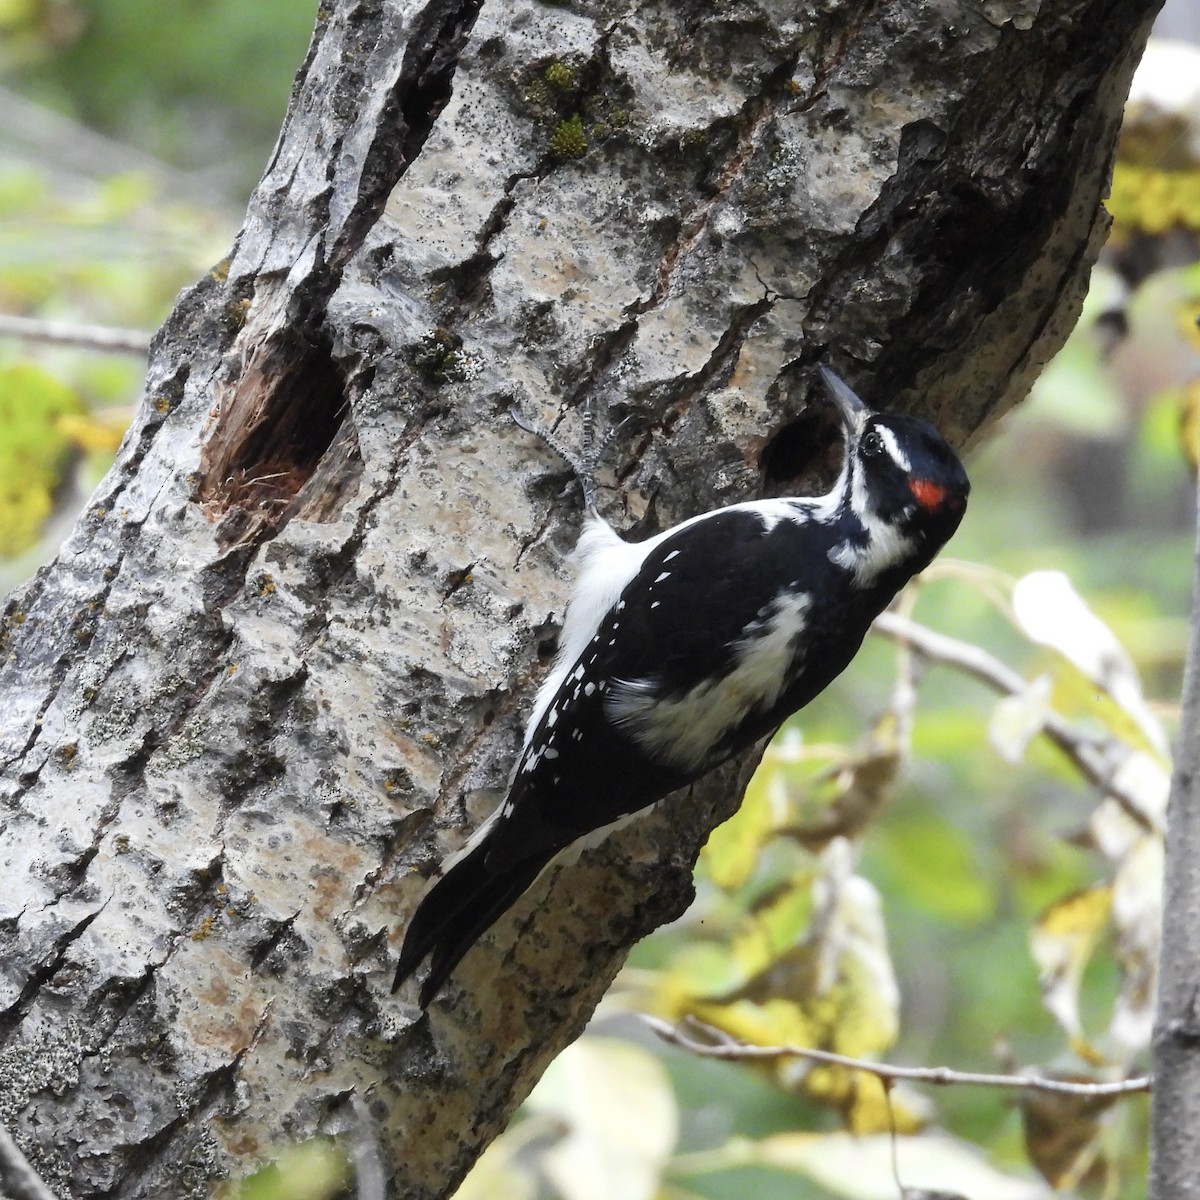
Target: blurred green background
point(917, 874)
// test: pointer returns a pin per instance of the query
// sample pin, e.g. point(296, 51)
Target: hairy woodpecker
point(680, 651)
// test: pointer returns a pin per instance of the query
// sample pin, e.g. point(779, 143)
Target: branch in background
point(18, 1180)
point(719, 1045)
point(1097, 759)
point(67, 333)
point(53, 140)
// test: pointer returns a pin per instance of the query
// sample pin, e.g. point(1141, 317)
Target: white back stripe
point(682, 730)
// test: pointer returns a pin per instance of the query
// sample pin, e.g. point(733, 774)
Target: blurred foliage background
point(919, 873)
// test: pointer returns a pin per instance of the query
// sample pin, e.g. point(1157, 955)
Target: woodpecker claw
point(582, 464)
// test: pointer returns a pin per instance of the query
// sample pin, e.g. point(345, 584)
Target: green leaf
point(34, 451)
point(933, 863)
point(312, 1170)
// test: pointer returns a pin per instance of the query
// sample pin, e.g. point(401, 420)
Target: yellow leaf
point(498, 1172)
point(734, 846)
point(701, 970)
point(313, 1170)
point(1052, 613)
point(1017, 720)
point(773, 1022)
point(18, 14)
point(856, 791)
point(93, 435)
point(777, 924)
point(1062, 941)
point(832, 988)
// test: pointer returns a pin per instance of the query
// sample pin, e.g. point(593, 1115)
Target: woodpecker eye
point(872, 444)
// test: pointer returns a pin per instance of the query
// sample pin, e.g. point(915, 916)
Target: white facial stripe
point(885, 544)
point(884, 548)
point(888, 438)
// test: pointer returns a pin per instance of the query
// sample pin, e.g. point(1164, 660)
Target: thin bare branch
point(720, 1045)
point(1097, 759)
point(56, 141)
point(67, 333)
point(18, 1180)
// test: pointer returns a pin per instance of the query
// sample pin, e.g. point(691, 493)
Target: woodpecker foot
point(591, 452)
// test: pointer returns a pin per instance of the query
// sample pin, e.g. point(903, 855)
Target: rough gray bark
point(281, 666)
point(1175, 1110)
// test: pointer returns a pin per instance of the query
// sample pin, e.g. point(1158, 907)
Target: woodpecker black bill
point(681, 651)
point(850, 408)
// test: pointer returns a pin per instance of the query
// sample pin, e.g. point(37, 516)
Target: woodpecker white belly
point(678, 652)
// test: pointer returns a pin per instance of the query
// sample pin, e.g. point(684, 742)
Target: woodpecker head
point(902, 473)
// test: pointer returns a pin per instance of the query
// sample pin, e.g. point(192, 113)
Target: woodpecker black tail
point(683, 650)
point(460, 906)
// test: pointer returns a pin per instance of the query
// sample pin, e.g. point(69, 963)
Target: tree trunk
point(280, 669)
point(1175, 1110)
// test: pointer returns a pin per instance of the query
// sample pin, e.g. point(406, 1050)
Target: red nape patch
point(929, 495)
